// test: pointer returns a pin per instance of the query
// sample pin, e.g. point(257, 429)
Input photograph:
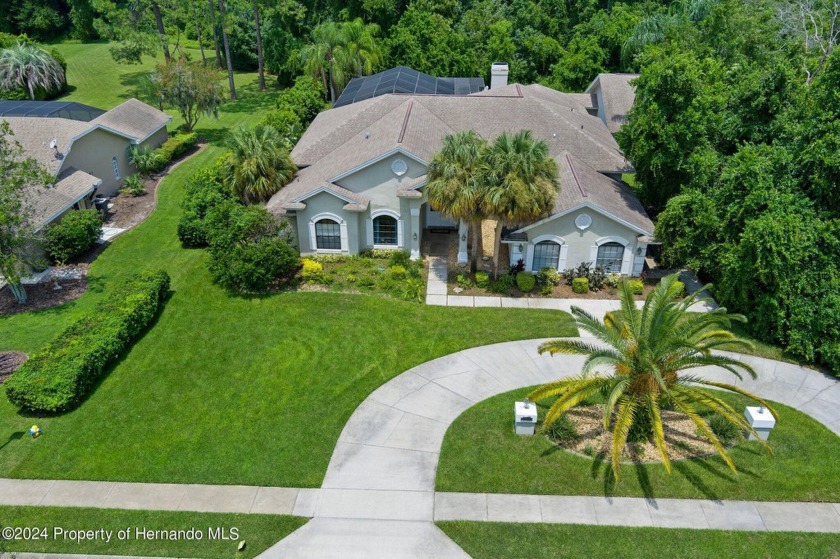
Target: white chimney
point(498, 74)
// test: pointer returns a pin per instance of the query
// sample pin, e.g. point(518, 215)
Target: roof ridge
point(574, 174)
point(405, 121)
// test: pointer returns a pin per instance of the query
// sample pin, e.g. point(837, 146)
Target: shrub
point(548, 277)
point(562, 430)
point(464, 281)
point(596, 275)
point(62, 374)
point(612, 280)
point(148, 161)
point(312, 271)
point(547, 289)
point(482, 279)
point(398, 272)
point(177, 145)
point(580, 285)
point(504, 284)
point(145, 160)
point(305, 99)
point(724, 429)
point(525, 282)
point(413, 290)
point(133, 186)
point(204, 192)
point(73, 235)
point(287, 123)
point(636, 286)
point(518, 267)
point(399, 258)
point(681, 289)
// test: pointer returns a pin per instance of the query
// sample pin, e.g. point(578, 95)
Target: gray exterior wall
point(579, 246)
point(156, 139)
point(93, 153)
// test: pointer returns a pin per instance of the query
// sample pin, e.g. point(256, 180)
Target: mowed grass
point(258, 531)
point(480, 445)
point(226, 389)
point(490, 540)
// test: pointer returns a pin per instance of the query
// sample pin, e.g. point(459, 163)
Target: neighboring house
point(363, 169)
point(612, 97)
point(85, 149)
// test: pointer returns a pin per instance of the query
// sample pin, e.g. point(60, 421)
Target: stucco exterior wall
point(379, 184)
point(578, 245)
point(327, 205)
point(156, 139)
point(94, 152)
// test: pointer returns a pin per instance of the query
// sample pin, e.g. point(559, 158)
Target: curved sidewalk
point(378, 498)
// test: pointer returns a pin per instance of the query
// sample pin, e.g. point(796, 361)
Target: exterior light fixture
point(639, 251)
point(464, 237)
point(414, 236)
point(520, 247)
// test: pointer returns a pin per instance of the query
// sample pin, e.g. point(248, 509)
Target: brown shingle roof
point(618, 97)
point(133, 118)
point(48, 203)
point(34, 135)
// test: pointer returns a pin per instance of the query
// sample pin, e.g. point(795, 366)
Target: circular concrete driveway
point(378, 499)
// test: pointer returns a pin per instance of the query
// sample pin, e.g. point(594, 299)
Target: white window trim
point(391, 213)
point(564, 252)
point(116, 164)
point(313, 241)
point(627, 257)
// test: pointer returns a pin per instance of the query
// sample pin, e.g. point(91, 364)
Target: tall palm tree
point(522, 183)
point(455, 187)
point(652, 29)
point(26, 65)
point(648, 349)
point(257, 164)
point(319, 58)
point(360, 51)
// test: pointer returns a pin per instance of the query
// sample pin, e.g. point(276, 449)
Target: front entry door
point(435, 220)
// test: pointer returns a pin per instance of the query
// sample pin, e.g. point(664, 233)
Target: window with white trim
point(610, 256)
point(385, 230)
point(327, 235)
point(116, 168)
point(546, 255)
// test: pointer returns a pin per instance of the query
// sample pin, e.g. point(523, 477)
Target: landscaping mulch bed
point(10, 361)
point(42, 296)
point(680, 434)
point(562, 291)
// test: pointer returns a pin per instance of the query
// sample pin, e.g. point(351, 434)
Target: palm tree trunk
point(19, 292)
point(497, 247)
point(260, 62)
point(475, 229)
point(198, 32)
point(161, 32)
point(227, 50)
point(331, 82)
point(31, 87)
point(215, 33)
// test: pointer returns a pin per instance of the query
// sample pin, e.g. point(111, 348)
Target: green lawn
point(478, 447)
point(227, 389)
point(489, 540)
point(258, 531)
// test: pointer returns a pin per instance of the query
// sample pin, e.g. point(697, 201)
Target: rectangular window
point(546, 255)
point(385, 230)
point(328, 235)
point(116, 168)
point(610, 256)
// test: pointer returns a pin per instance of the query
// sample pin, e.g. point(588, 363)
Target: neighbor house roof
point(618, 96)
point(48, 203)
point(134, 118)
point(349, 137)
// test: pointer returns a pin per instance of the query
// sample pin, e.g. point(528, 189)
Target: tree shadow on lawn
point(16, 436)
point(108, 370)
point(250, 99)
point(131, 83)
point(214, 136)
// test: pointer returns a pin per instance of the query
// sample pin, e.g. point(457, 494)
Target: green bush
point(287, 123)
point(413, 290)
point(562, 430)
point(636, 286)
point(482, 279)
point(204, 192)
point(681, 289)
point(63, 373)
point(312, 271)
point(548, 277)
point(399, 258)
point(305, 99)
point(398, 272)
point(145, 160)
point(525, 282)
point(177, 145)
point(133, 186)
point(463, 280)
point(612, 280)
point(580, 285)
point(148, 161)
point(77, 232)
point(724, 429)
point(596, 276)
point(547, 289)
point(504, 284)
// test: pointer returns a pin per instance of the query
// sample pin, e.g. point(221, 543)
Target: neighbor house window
point(327, 235)
point(116, 168)
point(546, 255)
point(610, 256)
point(384, 230)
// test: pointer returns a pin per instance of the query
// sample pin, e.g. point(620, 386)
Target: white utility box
point(525, 417)
point(761, 420)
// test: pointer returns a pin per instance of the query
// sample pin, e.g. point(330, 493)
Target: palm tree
point(522, 184)
point(647, 350)
point(26, 65)
point(360, 51)
point(455, 187)
point(257, 164)
point(652, 29)
point(319, 58)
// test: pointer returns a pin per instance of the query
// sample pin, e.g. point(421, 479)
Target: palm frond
point(658, 430)
point(704, 428)
point(569, 347)
point(741, 391)
point(623, 421)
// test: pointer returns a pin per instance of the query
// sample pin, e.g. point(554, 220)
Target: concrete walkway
point(437, 294)
point(378, 497)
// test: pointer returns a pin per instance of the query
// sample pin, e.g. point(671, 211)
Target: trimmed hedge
point(525, 282)
point(152, 161)
point(58, 378)
point(77, 232)
point(580, 285)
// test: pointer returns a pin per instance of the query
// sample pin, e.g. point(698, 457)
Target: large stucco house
point(85, 149)
point(363, 170)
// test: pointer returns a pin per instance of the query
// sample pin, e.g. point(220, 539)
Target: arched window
point(610, 256)
point(385, 230)
point(327, 235)
point(546, 255)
